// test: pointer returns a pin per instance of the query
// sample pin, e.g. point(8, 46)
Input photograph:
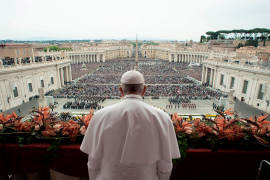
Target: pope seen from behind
point(130, 140)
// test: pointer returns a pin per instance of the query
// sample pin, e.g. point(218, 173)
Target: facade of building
point(248, 82)
point(22, 81)
point(16, 50)
point(174, 53)
point(86, 53)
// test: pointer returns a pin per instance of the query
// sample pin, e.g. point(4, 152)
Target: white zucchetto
point(132, 77)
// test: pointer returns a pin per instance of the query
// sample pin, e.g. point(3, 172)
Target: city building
point(247, 79)
point(22, 81)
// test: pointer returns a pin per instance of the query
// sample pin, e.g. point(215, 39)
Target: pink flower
point(82, 130)
point(57, 127)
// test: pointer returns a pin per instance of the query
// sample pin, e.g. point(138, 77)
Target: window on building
point(261, 92)
point(245, 86)
point(232, 82)
point(221, 79)
point(52, 80)
point(42, 83)
point(15, 91)
point(30, 88)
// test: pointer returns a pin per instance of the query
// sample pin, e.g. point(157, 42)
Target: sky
point(123, 19)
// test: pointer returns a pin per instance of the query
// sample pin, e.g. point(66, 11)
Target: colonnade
point(64, 74)
point(209, 75)
point(187, 57)
point(86, 58)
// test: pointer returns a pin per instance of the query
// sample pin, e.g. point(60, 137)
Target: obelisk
point(136, 57)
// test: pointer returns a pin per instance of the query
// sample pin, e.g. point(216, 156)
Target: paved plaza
point(203, 106)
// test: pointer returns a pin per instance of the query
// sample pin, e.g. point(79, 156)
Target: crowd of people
point(78, 70)
point(189, 92)
point(163, 79)
point(183, 105)
point(149, 79)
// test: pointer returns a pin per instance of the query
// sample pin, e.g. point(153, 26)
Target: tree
point(239, 45)
point(203, 39)
point(252, 43)
point(213, 35)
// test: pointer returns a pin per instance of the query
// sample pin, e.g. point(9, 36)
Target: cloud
point(156, 19)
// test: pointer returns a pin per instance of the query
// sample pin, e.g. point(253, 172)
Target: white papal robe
point(130, 140)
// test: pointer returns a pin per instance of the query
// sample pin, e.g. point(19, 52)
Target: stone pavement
point(203, 106)
point(23, 109)
point(245, 110)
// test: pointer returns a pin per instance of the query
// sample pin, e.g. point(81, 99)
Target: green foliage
point(212, 35)
point(56, 48)
point(263, 33)
point(151, 43)
point(183, 144)
point(251, 43)
point(239, 45)
point(139, 44)
point(203, 39)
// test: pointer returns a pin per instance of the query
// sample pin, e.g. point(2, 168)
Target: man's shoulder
point(108, 109)
point(156, 110)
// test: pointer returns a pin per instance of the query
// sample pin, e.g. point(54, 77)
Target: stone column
point(67, 73)
point(104, 58)
point(70, 74)
point(210, 79)
point(203, 72)
point(58, 78)
point(206, 74)
point(62, 77)
point(182, 58)
point(215, 78)
point(213, 75)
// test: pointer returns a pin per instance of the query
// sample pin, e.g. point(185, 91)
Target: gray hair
point(132, 88)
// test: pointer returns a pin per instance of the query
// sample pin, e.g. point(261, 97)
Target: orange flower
point(25, 126)
point(57, 127)
point(196, 121)
point(260, 118)
point(48, 132)
point(86, 119)
point(71, 129)
point(229, 112)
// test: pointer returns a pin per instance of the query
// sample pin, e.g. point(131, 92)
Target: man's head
point(132, 82)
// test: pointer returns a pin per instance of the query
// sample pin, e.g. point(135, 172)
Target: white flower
point(57, 127)
point(37, 127)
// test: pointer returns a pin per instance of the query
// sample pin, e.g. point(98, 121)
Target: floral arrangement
point(43, 124)
point(226, 130)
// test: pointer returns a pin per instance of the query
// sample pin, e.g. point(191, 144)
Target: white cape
point(131, 134)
